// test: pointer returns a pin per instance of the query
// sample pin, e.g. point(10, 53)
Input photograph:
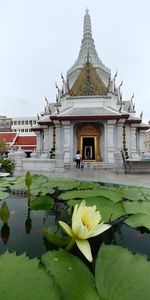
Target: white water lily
point(85, 224)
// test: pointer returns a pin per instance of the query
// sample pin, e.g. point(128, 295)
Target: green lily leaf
point(60, 241)
point(42, 203)
point(131, 193)
point(137, 207)
point(74, 278)
point(63, 184)
point(139, 220)
point(4, 212)
point(120, 275)
point(87, 185)
point(18, 184)
point(108, 209)
point(4, 182)
point(23, 279)
point(145, 193)
point(105, 192)
point(3, 194)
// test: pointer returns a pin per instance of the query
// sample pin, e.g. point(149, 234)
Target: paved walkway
point(103, 176)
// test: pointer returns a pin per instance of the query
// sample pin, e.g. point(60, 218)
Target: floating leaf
point(4, 212)
point(55, 239)
point(131, 193)
point(3, 194)
point(18, 184)
point(23, 279)
point(87, 185)
point(42, 203)
point(106, 192)
point(145, 193)
point(120, 275)
point(139, 220)
point(136, 207)
point(74, 278)
point(63, 184)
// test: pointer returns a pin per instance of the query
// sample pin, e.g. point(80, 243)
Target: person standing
point(78, 159)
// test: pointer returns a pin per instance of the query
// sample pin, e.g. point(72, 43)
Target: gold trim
point(88, 83)
point(86, 131)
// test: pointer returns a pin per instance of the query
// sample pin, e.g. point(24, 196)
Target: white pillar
point(39, 142)
point(66, 141)
point(110, 140)
point(59, 145)
point(133, 141)
point(141, 139)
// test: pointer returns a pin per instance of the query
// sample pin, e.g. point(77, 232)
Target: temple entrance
point(88, 148)
point(88, 142)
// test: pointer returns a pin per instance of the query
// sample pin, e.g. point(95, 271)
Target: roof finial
point(87, 11)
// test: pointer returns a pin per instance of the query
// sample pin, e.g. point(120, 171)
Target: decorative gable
point(88, 83)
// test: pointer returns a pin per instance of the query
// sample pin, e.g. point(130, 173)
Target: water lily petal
point(66, 228)
point(85, 248)
point(100, 229)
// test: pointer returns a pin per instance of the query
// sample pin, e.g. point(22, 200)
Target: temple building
point(90, 113)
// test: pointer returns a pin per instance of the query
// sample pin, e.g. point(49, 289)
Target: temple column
point(140, 141)
point(133, 141)
point(39, 142)
point(66, 141)
point(59, 145)
point(110, 140)
point(46, 141)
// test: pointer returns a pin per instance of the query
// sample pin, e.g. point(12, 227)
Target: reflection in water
point(28, 222)
point(5, 232)
point(24, 234)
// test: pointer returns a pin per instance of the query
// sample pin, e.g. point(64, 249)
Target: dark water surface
point(24, 232)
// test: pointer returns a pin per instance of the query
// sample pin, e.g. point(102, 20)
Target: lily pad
point(139, 220)
point(63, 184)
point(135, 207)
point(131, 193)
point(87, 185)
point(106, 192)
point(3, 194)
point(23, 279)
point(121, 275)
point(71, 274)
point(18, 184)
point(60, 241)
point(42, 203)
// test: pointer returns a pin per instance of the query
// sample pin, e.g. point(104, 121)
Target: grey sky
point(39, 39)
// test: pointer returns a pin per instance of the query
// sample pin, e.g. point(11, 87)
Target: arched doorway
point(88, 142)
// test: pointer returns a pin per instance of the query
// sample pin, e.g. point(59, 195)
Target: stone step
point(92, 165)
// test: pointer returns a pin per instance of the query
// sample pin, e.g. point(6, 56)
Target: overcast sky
point(39, 39)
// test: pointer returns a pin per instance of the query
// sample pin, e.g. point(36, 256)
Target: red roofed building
point(17, 141)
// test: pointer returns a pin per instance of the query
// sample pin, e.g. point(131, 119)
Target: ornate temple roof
point(88, 49)
point(88, 83)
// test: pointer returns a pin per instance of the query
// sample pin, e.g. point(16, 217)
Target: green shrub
point(8, 165)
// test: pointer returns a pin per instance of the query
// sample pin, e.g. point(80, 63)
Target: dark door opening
point(88, 149)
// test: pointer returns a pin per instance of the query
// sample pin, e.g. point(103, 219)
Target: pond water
point(24, 232)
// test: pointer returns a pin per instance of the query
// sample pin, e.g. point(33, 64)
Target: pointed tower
point(88, 49)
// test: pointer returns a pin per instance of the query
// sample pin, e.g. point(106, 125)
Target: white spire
point(88, 49)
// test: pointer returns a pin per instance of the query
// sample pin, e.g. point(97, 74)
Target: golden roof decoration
point(88, 83)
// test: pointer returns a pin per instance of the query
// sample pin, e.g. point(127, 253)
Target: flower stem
point(70, 245)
